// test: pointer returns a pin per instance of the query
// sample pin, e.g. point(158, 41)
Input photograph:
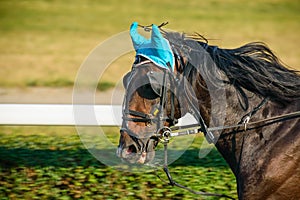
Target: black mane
point(253, 67)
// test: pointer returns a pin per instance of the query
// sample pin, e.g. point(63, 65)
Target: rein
point(194, 129)
point(165, 141)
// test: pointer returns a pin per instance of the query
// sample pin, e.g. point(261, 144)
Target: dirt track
point(49, 95)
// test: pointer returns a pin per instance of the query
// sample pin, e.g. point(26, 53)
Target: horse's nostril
point(131, 149)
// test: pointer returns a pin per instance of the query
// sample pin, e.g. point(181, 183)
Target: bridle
point(164, 133)
point(155, 117)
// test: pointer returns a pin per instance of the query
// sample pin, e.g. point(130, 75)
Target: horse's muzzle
point(139, 151)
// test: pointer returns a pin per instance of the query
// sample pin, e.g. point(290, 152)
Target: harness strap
point(137, 119)
point(196, 113)
point(245, 119)
point(137, 114)
point(143, 117)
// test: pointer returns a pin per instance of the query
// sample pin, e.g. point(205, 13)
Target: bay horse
point(263, 155)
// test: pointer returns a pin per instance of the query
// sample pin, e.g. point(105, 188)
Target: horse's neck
point(230, 146)
point(248, 153)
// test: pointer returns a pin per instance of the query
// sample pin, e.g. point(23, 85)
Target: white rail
point(66, 115)
point(59, 115)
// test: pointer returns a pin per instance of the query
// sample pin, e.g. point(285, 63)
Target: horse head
point(146, 107)
point(157, 94)
point(149, 106)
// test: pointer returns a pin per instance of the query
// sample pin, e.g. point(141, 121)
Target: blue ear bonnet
point(156, 48)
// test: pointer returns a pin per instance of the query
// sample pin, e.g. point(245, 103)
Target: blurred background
point(43, 43)
point(42, 46)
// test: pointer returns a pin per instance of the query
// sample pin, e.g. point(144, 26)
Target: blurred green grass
point(47, 40)
point(52, 163)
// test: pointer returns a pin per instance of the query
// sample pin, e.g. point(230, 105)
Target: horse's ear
point(126, 80)
point(156, 80)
